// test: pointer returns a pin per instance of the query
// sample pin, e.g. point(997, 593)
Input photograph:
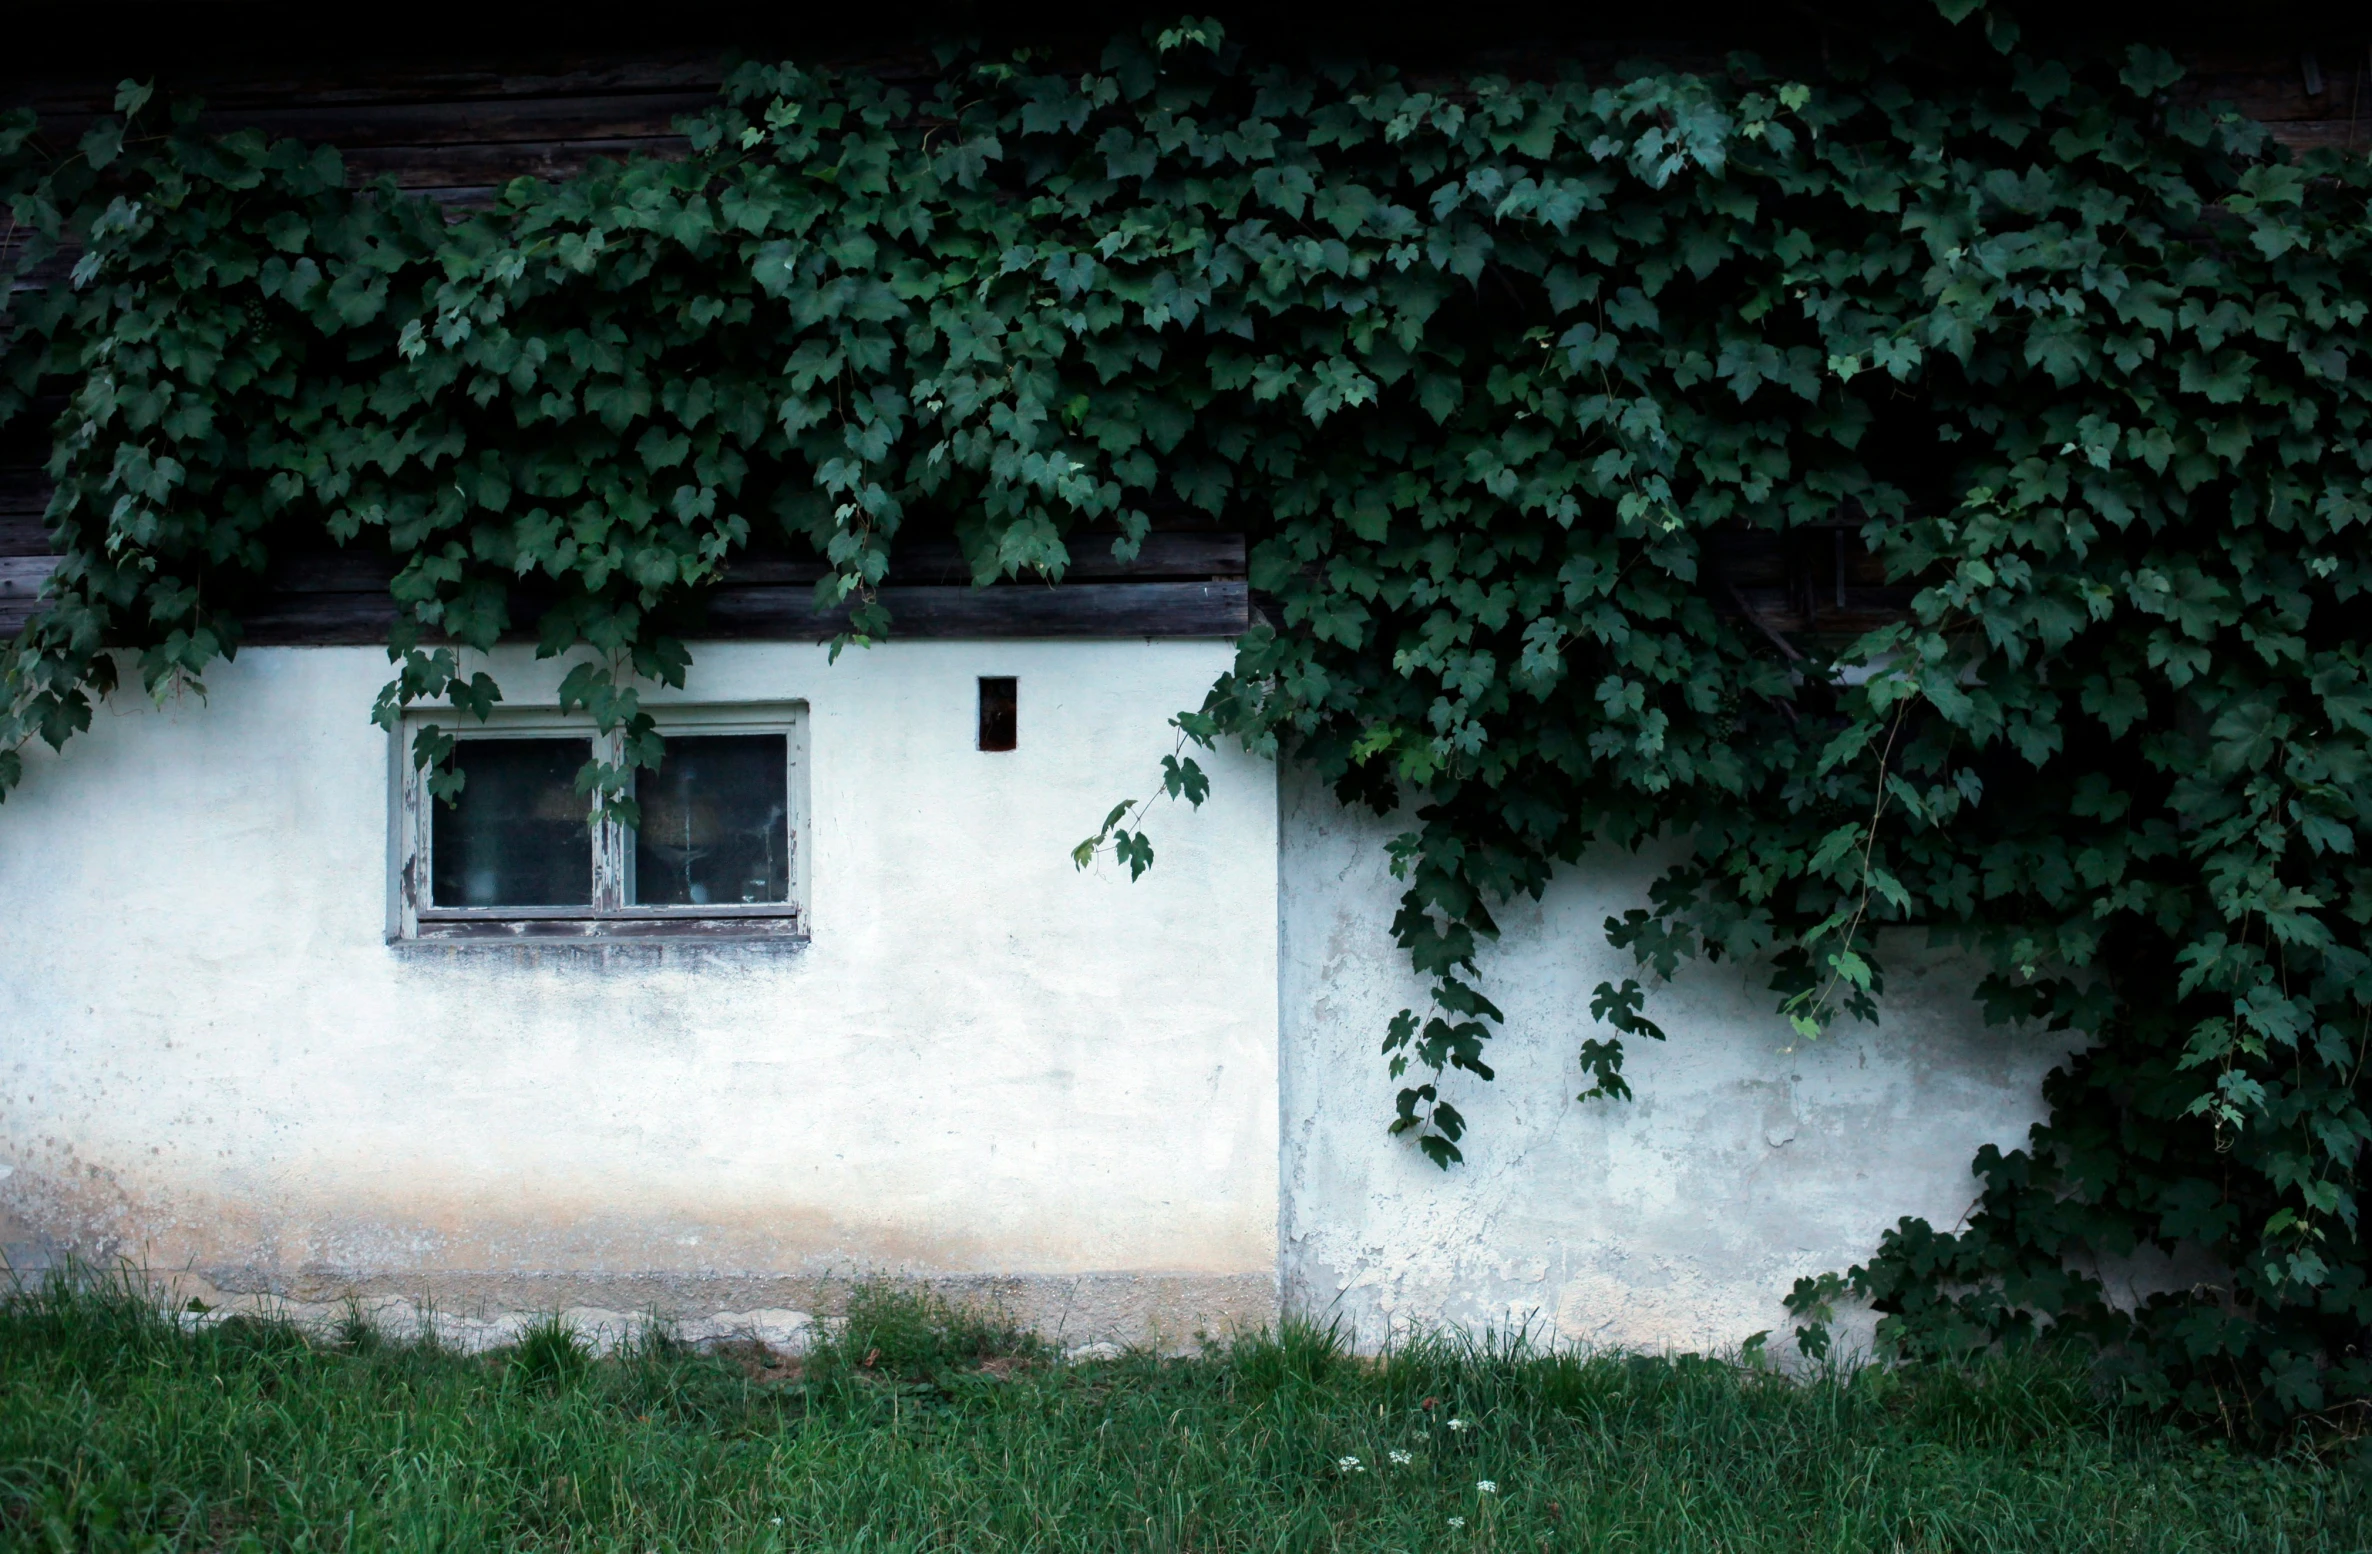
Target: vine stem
point(1869, 845)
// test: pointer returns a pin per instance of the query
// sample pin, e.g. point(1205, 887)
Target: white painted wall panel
point(985, 1063)
point(1062, 1089)
point(1676, 1220)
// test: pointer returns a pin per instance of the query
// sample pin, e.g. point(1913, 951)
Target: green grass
point(119, 1431)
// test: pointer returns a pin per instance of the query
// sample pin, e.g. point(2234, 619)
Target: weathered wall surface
point(1676, 1220)
point(1064, 1090)
point(986, 1066)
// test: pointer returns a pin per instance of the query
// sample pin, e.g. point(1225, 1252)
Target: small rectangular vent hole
point(999, 713)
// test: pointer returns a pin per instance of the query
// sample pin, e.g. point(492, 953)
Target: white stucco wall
point(987, 1069)
point(1676, 1220)
point(986, 1065)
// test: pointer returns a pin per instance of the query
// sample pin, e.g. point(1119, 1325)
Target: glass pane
point(715, 825)
point(518, 836)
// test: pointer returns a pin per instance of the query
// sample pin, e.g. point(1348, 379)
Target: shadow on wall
point(1676, 1220)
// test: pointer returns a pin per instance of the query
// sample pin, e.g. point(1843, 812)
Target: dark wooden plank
point(2324, 134)
point(458, 197)
point(1173, 555)
point(559, 73)
point(1218, 609)
point(787, 613)
point(2274, 88)
point(1864, 609)
point(482, 166)
point(23, 534)
point(341, 599)
point(1757, 558)
point(381, 75)
point(1117, 610)
point(21, 578)
point(459, 131)
point(334, 572)
point(640, 115)
point(1163, 556)
point(24, 500)
point(49, 272)
point(341, 596)
point(2273, 100)
point(320, 620)
point(331, 577)
point(354, 126)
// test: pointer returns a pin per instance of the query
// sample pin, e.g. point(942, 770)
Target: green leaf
point(2149, 71)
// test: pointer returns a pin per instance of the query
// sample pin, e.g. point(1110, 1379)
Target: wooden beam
point(467, 121)
point(21, 578)
point(486, 166)
point(22, 534)
point(1173, 555)
point(1216, 609)
point(360, 613)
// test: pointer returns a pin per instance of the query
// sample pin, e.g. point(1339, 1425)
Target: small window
point(715, 827)
point(517, 835)
point(1000, 712)
point(517, 855)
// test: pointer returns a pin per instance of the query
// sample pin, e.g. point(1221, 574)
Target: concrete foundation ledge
point(1087, 1315)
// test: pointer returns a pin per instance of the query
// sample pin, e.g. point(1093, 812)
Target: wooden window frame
point(413, 919)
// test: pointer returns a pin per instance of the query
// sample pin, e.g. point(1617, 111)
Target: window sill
point(563, 926)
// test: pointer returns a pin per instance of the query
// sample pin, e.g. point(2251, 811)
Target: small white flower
point(1401, 1459)
point(778, 1521)
point(1487, 1486)
point(1457, 1424)
point(1457, 1521)
point(1349, 1465)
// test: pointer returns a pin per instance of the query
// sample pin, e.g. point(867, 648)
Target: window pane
point(518, 836)
point(715, 824)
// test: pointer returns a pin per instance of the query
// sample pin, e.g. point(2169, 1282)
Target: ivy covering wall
point(1489, 376)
